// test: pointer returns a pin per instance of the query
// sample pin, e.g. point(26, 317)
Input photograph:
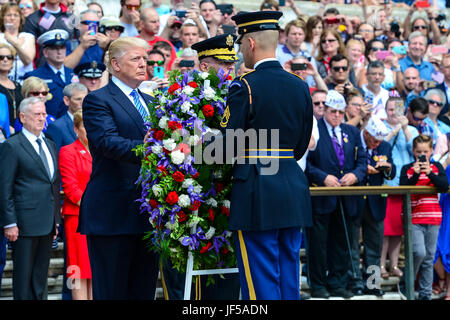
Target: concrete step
point(55, 268)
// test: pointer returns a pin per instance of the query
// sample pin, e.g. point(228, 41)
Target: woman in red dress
point(75, 165)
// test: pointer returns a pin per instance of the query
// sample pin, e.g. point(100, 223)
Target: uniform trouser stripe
point(244, 258)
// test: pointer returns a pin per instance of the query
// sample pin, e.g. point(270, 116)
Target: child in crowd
point(426, 211)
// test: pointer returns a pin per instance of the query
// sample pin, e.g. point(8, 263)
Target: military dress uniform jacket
point(270, 98)
point(377, 203)
point(55, 105)
point(323, 161)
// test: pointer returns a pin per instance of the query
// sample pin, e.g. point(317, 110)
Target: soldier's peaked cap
point(248, 22)
point(219, 47)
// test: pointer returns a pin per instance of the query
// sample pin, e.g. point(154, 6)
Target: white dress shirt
point(63, 76)
point(127, 91)
point(337, 130)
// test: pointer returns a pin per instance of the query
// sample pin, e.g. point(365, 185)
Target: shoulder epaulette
point(296, 75)
point(240, 78)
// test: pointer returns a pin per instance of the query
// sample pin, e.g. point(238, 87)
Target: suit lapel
point(328, 141)
point(57, 79)
point(32, 153)
point(126, 104)
point(69, 125)
point(55, 164)
point(348, 147)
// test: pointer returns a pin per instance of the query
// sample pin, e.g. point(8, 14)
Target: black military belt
point(269, 153)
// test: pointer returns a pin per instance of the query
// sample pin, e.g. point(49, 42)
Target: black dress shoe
point(304, 295)
point(341, 292)
point(320, 293)
point(357, 291)
point(374, 292)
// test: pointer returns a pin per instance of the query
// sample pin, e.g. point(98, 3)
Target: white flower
point(186, 106)
point(198, 188)
point(226, 203)
point(184, 201)
point(211, 202)
point(162, 100)
point(170, 226)
point(193, 140)
point(169, 144)
point(177, 157)
point(157, 149)
point(187, 183)
point(163, 122)
point(188, 90)
point(209, 234)
point(157, 190)
point(204, 75)
point(209, 93)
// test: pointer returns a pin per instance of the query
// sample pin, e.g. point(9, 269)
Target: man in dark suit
point(29, 200)
point(53, 72)
point(373, 207)
point(122, 266)
point(338, 160)
point(61, 130)
point(270, 200)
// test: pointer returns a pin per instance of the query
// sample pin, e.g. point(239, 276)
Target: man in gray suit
point(29, 200)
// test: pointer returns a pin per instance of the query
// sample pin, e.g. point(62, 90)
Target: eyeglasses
point(336, 111)
point(9, 57)
point(376, 49)
point(89, 22)
point(420, 27)
point(115, 28)
point(318, 103)
point(337, 69)
point(439, 104)
point(157, 62)
point(328, 40)
point(37, 93)
point(133, 6)
point(25, 5)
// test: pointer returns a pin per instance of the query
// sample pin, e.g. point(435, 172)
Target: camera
point(298, 66)
point(422, 158)
point(395, 27)
point(187, 63)
point(225, 9)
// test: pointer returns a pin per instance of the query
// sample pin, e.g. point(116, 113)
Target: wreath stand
point(190, 272)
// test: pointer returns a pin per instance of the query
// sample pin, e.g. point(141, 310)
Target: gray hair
point(436, 92)
point(88, 11)
point(188, 52)
point(28, 102)
point(417, 34)
point(68, 90)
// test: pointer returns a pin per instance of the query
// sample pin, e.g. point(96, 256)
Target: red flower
point(178, 177)
point(153, 203)
point(193, 84)
point(158, 135)
point(174, 125)
point(229, 77)
point(225, 211)
point(195, 206)
point(211, 214)
point(166, 152)
point(195, 176)
point(225, 250)
point(181, 216)
point(206, 248)
point(172, 198)
point(219, 187)
point(162, 170)
point(183, 148)
point(174, 88)
point(208, 110)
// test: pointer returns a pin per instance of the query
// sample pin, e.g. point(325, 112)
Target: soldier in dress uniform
point(53, 72)
point(90, 74)
point(216, 52)
point(373, 207)
point(268, 208)
point(338, 160)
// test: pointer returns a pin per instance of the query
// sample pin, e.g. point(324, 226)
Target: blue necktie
point(138, 104)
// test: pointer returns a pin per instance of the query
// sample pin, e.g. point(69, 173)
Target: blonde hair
point(120, 46)
point(78, 118)
point(10, 48)
point(31, 84)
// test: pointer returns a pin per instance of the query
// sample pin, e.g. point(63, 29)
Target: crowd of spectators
point(397, 72)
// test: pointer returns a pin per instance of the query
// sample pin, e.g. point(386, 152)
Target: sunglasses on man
point(153, 62)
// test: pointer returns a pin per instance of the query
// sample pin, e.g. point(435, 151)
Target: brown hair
point(335, 34)
point(78, 118)
point(353, 93)
point(310, 25)
point(295, 23)
point(3, 11)
point(422, 139)
point(273, 3)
